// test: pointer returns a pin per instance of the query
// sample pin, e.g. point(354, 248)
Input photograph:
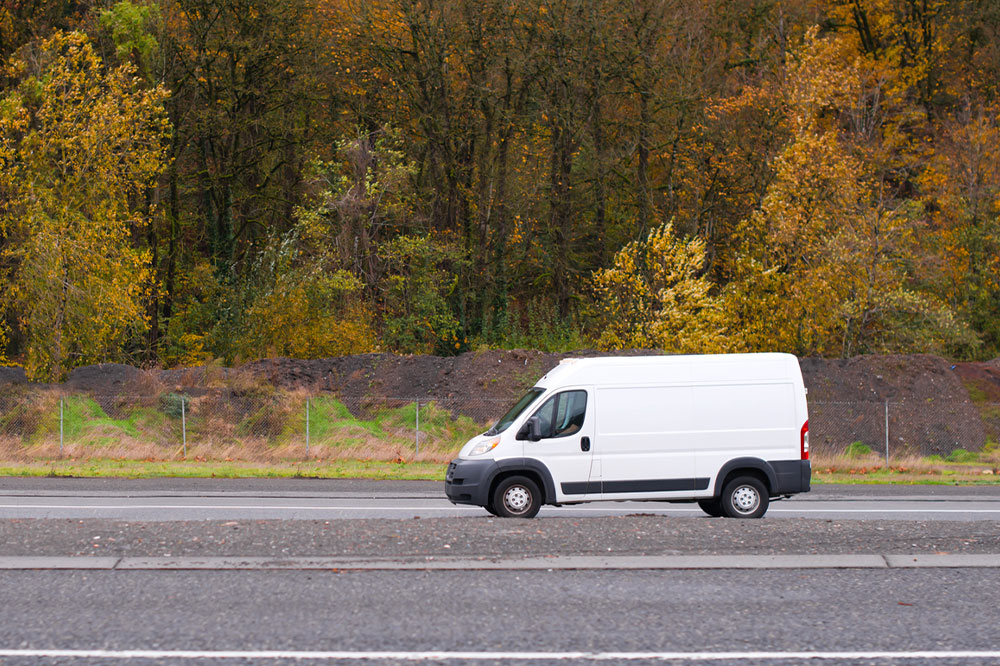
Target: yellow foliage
point(79, 146)
point(652, 297)
point(829, 265)
point(310, 316)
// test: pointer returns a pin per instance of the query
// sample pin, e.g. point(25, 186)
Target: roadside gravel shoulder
point(636, 534)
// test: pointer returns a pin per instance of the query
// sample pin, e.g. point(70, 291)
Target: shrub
point(962, 456)
point(857, 450)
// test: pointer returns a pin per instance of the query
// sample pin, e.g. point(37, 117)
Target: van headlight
point(484, 447)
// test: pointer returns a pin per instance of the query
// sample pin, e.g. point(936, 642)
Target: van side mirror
point(531, 430)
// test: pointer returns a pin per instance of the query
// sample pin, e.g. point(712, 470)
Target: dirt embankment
point(933, 406)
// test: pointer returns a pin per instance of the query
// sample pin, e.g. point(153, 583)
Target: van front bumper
point(468, 481)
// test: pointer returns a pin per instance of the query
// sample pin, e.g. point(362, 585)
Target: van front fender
point(746, 463)
point(538, 467)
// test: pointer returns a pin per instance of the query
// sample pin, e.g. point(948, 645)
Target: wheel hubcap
point(746, 499)
point(517, 499)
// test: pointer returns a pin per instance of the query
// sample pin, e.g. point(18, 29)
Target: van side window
point(562, 414)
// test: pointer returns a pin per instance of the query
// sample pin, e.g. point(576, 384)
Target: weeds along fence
point(258, 428)
point(297, 426)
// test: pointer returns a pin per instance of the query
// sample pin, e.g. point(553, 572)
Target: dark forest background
point(191, 180)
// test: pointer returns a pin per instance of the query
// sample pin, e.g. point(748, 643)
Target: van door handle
point(584, 443)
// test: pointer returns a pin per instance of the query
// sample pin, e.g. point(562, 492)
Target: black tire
point(712, 507)
point(489, 507)
point(745, 497)
point(517, 497)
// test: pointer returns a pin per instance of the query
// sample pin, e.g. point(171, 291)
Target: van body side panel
point(644, 441)
point(748, 419)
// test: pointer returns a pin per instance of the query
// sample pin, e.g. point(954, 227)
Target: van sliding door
point(644, 443)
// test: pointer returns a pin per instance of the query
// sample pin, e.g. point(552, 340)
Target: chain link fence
point(898, 429)
point(228, 425)
point(256, 426)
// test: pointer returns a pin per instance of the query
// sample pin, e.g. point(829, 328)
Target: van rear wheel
point(745, 497)
point(517, 497)
point(712, 507)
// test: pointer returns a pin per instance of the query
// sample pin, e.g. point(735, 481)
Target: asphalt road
point(625, 584)
point(191, 617)
point(209, 499)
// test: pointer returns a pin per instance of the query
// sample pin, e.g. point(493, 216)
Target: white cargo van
point(728, 431)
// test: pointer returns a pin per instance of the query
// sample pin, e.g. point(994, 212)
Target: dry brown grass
point(221, 446)
point(906, 469)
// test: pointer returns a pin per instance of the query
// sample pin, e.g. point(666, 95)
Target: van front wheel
point(517, 497)
point(744, 497)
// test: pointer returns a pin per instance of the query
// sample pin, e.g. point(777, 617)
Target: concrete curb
point(582, 562)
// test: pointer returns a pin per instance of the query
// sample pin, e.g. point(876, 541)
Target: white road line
point(498, 656)
point(268, 507)
point(280, 507)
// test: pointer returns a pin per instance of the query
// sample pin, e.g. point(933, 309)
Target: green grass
point(341, 469)
point(85, 421)
point(330, 422)
point(857, 450)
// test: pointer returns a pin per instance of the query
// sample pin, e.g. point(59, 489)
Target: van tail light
point(804, 439)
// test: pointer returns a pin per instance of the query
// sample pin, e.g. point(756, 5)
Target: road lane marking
point(445, 655)
point(285, 507)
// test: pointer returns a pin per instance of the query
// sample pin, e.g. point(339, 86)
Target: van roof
point(618, 370)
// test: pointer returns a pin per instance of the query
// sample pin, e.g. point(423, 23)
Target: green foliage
point(857, 450)
point(535, 325)
point(132, 26)
point(422, 277)
point(962, 456)
point(331, 422)
point(173, 404)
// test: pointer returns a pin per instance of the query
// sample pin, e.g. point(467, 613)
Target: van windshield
point(515, 411)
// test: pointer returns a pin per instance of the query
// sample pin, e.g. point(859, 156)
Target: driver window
point(562, 414)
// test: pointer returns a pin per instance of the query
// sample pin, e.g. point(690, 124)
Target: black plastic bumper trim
point(636, 486)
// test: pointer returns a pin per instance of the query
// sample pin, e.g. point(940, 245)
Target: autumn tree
point(832, 247)
point(653, 297)
point(80, 145)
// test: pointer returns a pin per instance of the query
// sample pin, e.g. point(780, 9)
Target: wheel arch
point(529, 467)
point(750, 466)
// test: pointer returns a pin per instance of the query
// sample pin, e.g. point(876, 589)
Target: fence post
point(307, 427)
point(416, 435)
point(184, 433)
point(887, 434)
point(60, 427)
